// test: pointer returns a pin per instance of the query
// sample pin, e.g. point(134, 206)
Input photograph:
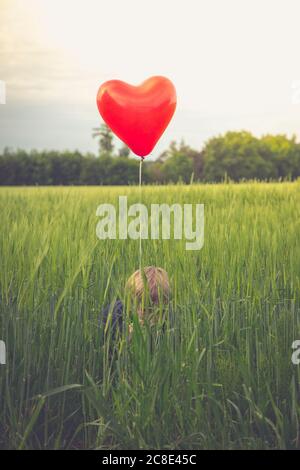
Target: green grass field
point(220, 378)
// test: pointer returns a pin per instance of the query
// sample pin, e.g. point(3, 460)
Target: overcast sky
point(234, 64)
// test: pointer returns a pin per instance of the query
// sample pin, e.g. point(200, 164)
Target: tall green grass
point(220, 376)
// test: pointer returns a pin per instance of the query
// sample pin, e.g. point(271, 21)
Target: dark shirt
point(114, 314)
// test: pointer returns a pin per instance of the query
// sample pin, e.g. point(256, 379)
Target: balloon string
point(140, 191)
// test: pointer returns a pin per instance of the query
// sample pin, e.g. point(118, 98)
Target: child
point(149, 291)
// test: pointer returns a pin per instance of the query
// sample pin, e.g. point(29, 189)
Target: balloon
point(138, 115)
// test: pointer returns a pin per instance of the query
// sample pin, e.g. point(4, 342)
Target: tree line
point(235, 155)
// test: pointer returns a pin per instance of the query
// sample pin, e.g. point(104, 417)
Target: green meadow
point(219, 377)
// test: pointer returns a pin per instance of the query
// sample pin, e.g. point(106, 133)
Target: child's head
point(149, 289)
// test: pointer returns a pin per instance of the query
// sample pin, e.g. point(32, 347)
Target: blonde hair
point(157, 285)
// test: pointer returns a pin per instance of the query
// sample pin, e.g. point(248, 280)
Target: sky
point(235, 65)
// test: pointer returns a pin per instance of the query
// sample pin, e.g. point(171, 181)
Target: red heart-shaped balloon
point(138, 115)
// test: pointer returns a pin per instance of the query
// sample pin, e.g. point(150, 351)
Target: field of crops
point(220, 376)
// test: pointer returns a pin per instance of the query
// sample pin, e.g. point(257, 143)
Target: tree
point(105, 136)
point(170, 152)
point(238, 155)
point(285, 154)
point(124, 151)
point(177, 168)
point(182, 148)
